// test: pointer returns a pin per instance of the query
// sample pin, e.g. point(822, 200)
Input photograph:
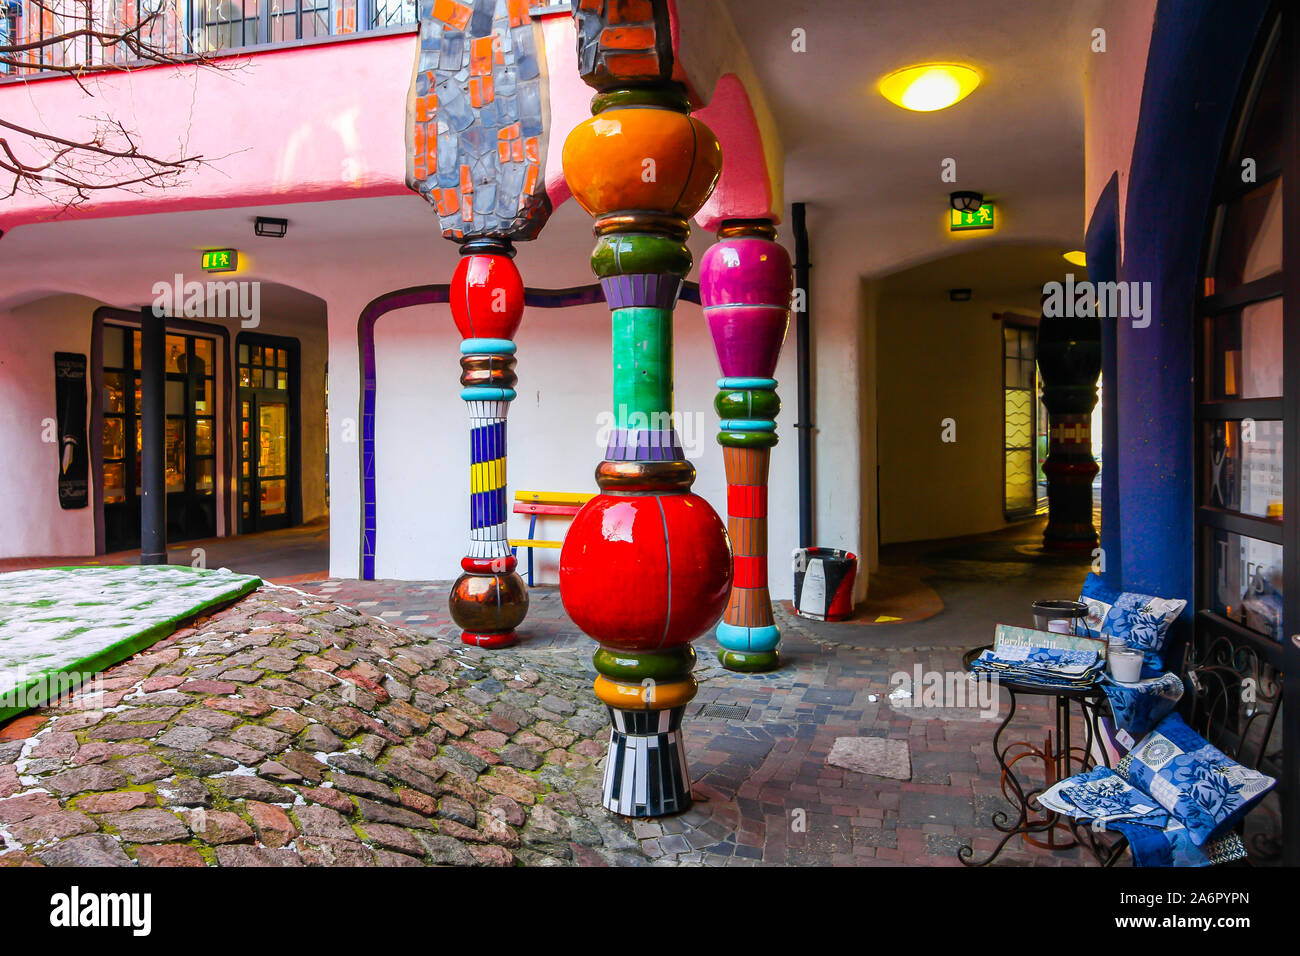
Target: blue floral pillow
point(1204, 790)
point(1173, 847)
point(1142, 620)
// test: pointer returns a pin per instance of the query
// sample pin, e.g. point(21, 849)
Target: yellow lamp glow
point(1076, 258)
point(929, 86)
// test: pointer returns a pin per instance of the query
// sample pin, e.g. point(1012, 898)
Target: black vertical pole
point(803, 343)
point(153, 498)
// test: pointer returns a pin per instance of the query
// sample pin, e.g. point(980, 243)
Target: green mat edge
point(116, 653)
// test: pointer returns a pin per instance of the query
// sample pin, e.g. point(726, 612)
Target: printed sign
point(70, 401)
point(1009, 636)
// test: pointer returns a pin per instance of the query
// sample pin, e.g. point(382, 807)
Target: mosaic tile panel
point(477, 118)
point(623, 42)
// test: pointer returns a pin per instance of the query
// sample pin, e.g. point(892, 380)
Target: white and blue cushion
point(1204, 790)
point(1142, 620)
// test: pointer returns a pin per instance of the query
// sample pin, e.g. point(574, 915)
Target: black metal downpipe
point(153, 498)
point(803, 343)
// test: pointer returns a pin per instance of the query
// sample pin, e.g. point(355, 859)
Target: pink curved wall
point(280, 126)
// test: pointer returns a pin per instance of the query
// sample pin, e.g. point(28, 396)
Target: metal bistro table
point(1058, 756)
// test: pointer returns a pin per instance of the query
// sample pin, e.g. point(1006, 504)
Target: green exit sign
point(962, 221)
point(220, 260)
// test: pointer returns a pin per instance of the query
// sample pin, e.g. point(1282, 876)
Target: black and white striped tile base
point(645, 770)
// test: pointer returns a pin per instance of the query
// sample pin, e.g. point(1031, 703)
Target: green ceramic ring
point(747, 403)
point(634, 668)
point(628, 253)
point(749, 661)
point(747, 439)
point(673, 98)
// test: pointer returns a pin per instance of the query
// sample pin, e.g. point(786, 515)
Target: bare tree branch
point(81, 38)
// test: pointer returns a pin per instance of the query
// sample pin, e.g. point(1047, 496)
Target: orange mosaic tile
point(448, 202)
point(480, 60)
point(531, 149)
point(630, 11)
point(628, 38)
point(453, 14)
point(632, 65)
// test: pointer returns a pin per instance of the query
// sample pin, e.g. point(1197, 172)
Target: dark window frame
point(1022, 323)
point(1275, 663)
point(293, 366)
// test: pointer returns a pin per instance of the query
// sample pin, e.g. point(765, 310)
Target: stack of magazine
point(1042, 658)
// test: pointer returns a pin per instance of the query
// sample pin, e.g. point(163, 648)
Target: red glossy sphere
point(487, 297)
point(645, 572)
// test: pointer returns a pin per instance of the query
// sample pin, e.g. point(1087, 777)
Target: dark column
point(153, 496)
point(1069, 358)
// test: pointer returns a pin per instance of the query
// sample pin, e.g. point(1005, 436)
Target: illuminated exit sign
point(220, 260)
point(981, 218)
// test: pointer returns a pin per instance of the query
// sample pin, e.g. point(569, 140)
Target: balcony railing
point(61, 36)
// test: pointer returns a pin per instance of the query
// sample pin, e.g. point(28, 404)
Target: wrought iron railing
point(64, 36)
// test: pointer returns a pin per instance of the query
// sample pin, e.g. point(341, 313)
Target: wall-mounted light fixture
point(959, 295)
point(929, 86)
point(966, 200)
point(270, 228)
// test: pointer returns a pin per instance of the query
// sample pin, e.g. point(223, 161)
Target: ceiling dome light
point(1076, 258)
point(929, 86)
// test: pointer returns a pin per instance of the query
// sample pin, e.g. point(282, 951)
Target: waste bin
point(823, 583)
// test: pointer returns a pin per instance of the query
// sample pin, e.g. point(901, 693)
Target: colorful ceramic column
point(1069, 360)
point(487, 302)
point(476, 149)
point(645, 568)
point(745, 286)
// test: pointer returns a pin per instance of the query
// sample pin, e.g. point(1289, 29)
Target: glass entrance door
point(266, 467)
point(189, 437)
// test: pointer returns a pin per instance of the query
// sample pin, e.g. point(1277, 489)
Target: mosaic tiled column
point(745, 286)
point(1069, 360)
point(645, 568)
point(476, 148)
point(487, 301)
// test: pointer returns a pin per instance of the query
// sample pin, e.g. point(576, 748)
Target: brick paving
point(765, 794)
point(291, 730)
point(288, 731)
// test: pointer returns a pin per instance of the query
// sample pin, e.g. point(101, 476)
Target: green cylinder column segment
point(643, 367)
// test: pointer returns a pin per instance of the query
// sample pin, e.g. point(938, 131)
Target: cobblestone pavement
point(292, 730)
point(765, 793)
point(286, 730)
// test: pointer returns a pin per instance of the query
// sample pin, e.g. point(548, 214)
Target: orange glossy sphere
point(652, 159)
